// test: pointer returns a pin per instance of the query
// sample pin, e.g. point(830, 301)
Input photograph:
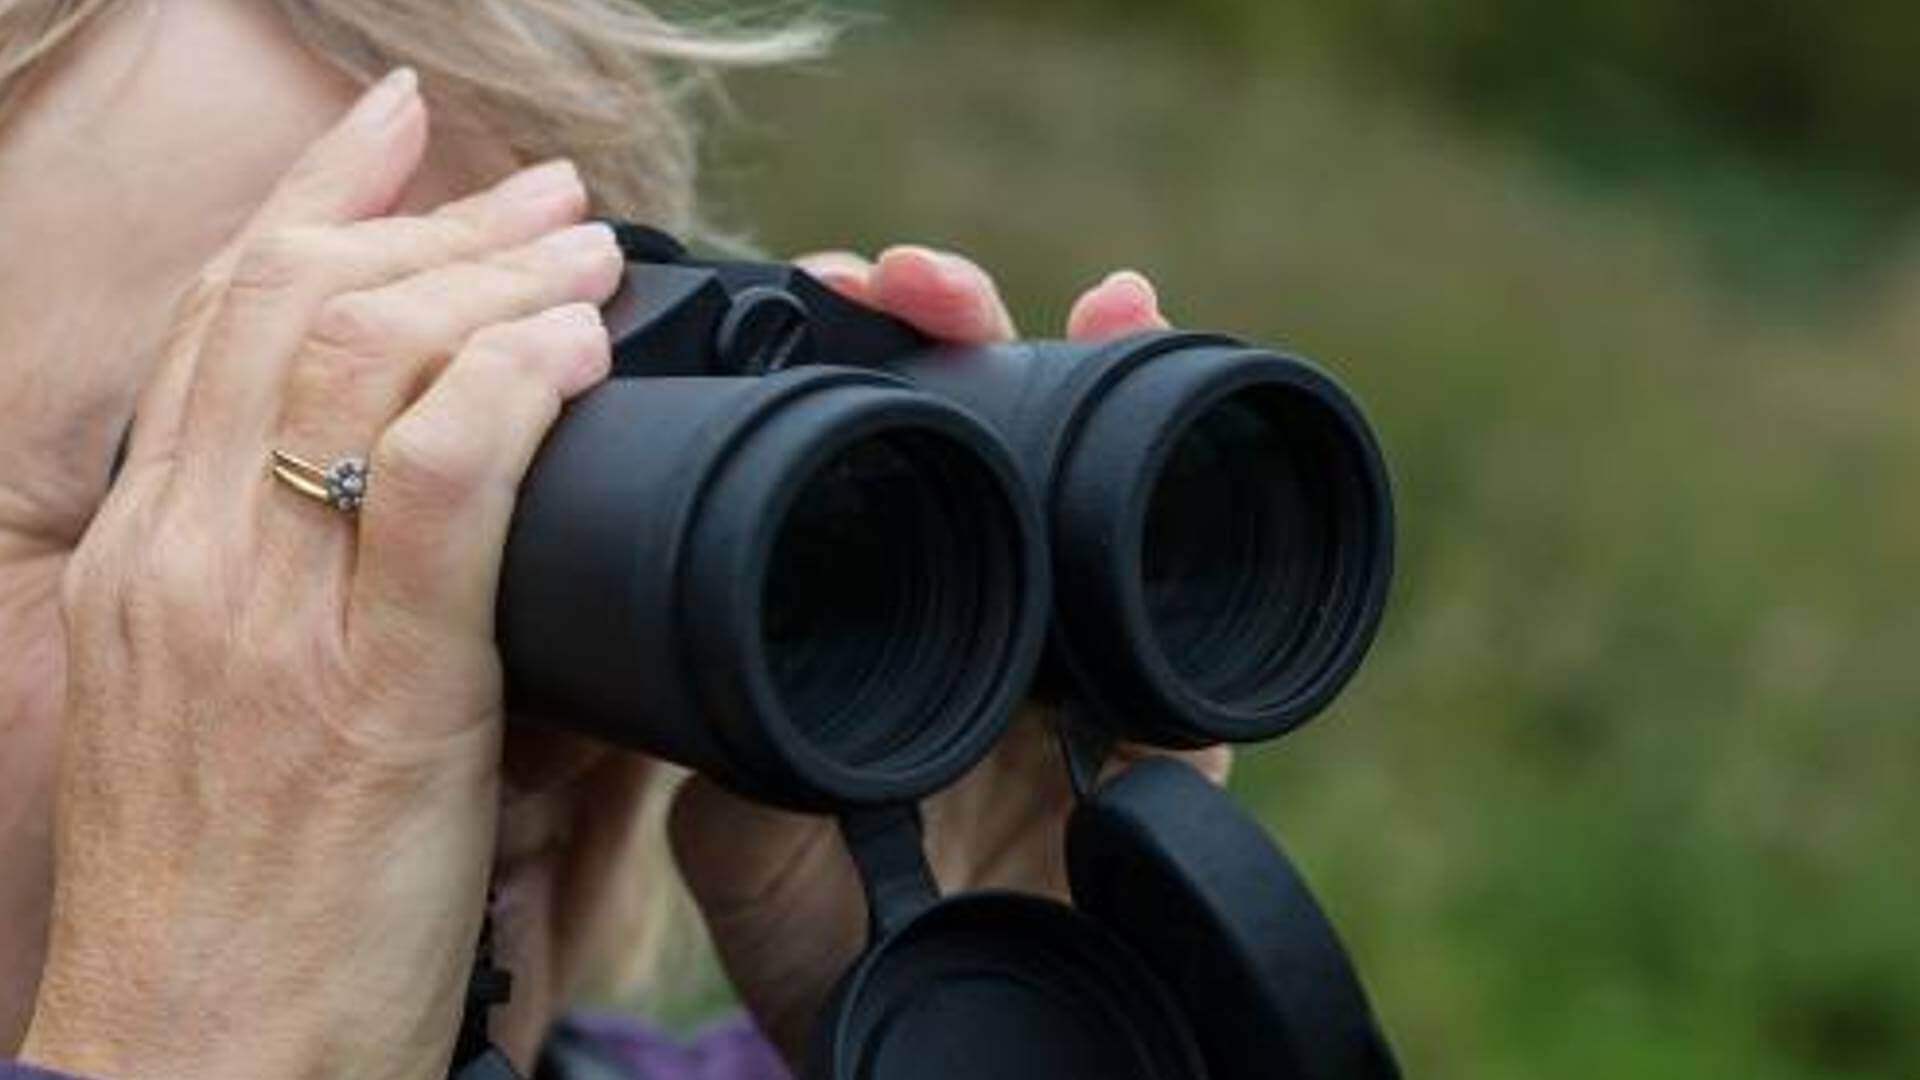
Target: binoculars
point(800, 548)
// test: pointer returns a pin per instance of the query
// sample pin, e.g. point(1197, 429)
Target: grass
point(1629, 784)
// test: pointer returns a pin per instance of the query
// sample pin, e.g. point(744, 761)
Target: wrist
point(83, 1031)
point(82, 1028)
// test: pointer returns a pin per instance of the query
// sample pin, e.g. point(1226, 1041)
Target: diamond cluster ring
point(342, 484)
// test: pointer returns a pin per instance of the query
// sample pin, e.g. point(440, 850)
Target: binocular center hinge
point(889, 848)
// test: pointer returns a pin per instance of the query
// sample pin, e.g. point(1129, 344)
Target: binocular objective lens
point(875, 591)
point(1248, 540)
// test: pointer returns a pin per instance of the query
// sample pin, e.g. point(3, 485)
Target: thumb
point(1125, 303)
point(737, 855)
point(780, 899)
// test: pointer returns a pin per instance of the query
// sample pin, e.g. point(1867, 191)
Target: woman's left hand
point(778, 890)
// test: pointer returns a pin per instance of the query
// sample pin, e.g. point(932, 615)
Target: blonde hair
point(606, 83)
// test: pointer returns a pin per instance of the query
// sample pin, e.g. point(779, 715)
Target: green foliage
point(1827, 84)
point(1628, 787)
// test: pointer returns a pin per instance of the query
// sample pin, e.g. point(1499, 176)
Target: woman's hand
point(279, 772)
point(777, 890)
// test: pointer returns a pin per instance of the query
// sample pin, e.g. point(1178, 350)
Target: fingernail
point(834, 264)
point(956, 270)
point(541, 182)
point(1136, 287)
point(950, 269)
point(587, 238)
point(386, 99)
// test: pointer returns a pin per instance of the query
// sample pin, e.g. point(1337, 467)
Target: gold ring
point(341, 484)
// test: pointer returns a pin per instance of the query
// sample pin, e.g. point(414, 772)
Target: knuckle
point(280, 260)
point(423, 460)
point(323, 380)
point(513, 351)
point(355, 324)
point(544, 348)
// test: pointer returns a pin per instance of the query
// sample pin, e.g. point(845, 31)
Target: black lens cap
point(1165, 860)
point(1194, 952)
point(994, 984)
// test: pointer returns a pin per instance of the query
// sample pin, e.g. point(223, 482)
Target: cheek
point(460, 161)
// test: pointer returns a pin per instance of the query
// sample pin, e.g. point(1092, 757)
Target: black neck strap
point(474, 1055)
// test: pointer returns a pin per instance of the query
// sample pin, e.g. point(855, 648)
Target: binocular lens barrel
point(880, 576)
point(829, 586)
point(821, 587)
point(1258, 552)
point(1219, 520)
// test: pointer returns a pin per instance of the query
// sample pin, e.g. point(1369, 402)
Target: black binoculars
point(797, 546)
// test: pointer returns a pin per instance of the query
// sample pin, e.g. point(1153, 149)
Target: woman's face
point(128, 167)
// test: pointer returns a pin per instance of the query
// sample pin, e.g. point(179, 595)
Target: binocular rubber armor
point(798, 547)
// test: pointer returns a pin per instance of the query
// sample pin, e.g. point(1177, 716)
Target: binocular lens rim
point(1105, 494)
point(1361, 574)
point(1000, 649)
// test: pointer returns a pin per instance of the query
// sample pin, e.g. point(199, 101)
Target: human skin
point(201, 598)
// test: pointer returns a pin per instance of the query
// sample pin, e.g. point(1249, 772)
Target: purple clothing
point(620, 1048)
point(732, 1049)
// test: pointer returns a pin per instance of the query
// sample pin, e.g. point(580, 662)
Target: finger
point(357, 168)
point(1125, 303)
point(1213, 762)
point(735, 853)
point(370, 353)
point(780, 898)
point(281, 281)
point(942, 294)
point(998, 826)
point(159, 410)
point(445, 475)
point(844, 272)
point(521, 207)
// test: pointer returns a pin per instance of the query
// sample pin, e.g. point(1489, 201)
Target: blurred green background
point(1628, 787)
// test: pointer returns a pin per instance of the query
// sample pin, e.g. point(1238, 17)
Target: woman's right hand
point(280, 754)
